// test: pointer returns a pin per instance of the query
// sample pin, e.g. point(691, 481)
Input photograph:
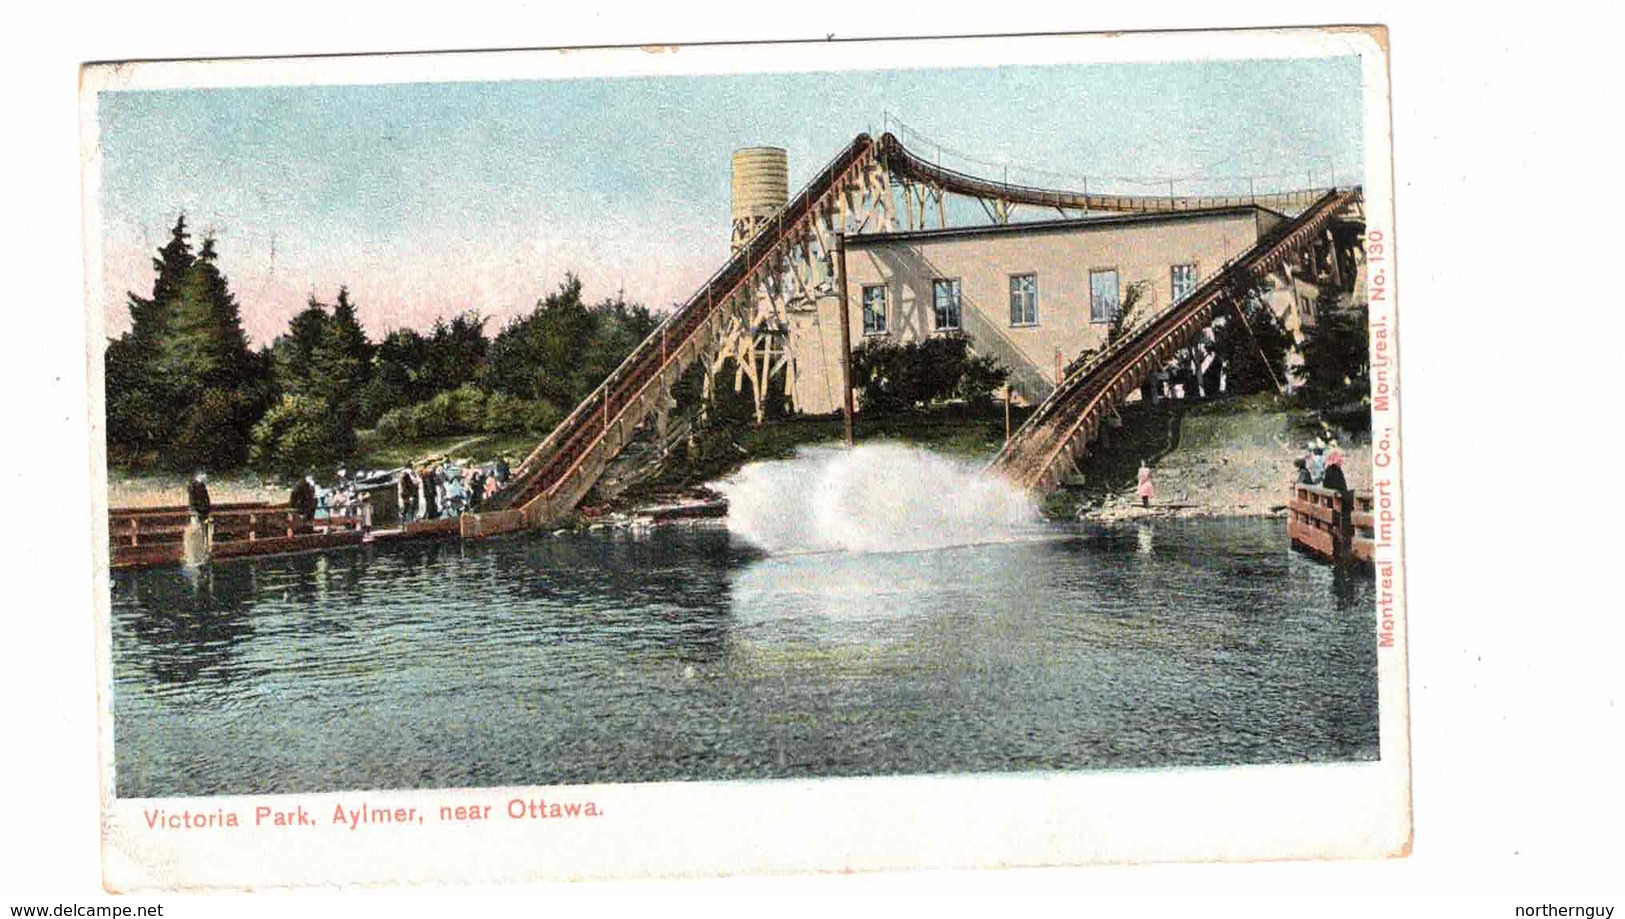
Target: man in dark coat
point(197, 496)
point(409, 495)
point(1333, 480)
point(303, 498)
point(431, 501)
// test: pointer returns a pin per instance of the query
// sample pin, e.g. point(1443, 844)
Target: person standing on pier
point(1145, 491)
point(431, 500)
point(409, 495)
point(476, 489)
point(303, 498)
point(197, 496)
point(1333, 480)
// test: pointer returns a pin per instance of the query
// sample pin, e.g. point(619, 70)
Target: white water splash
point(881, 497)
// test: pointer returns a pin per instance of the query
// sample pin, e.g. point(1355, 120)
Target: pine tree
point(182, 386)
point(141, 399)
point(171, 267)
point(1336, 355)
point(229, 341)
point(342, 362)
point(293, 352)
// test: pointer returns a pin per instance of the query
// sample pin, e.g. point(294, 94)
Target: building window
point(1024, 299)
point(1183, 281)
point(945, 297)
point(874, 310)
point(1103, 299)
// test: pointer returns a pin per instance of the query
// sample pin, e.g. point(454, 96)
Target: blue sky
point(428, 199)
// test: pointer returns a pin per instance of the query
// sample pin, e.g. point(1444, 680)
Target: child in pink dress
point(1145, 491)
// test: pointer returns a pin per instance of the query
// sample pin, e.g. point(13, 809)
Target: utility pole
point(1007, 414)
point(846, 333)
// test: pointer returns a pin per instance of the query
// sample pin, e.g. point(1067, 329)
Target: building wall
point(1061, 257)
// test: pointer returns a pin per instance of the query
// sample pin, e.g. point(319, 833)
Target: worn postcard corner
point(765, 458)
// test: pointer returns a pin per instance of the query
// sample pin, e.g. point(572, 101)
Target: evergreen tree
point(203, 355)
point(171, 268)
point(342, 363)
point(325, 356)
point(1336, 369)
point(292, 352)
point(181, 385)
point(535, 356)
point(141, 401)
point(1254, 350)
point(455, 352)
point(233, 363)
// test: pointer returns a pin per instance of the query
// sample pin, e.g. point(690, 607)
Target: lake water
point(683, 654)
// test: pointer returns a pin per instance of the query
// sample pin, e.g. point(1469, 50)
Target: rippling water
point(688, 654)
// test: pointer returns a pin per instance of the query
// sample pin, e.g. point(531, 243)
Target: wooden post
point(846, 333)
point(1007, 414)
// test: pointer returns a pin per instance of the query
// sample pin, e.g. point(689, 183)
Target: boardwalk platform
point(141, 537)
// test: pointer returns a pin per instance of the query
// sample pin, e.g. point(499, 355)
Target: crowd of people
point(427, 491)
point(447, 489)
point(1322, 464)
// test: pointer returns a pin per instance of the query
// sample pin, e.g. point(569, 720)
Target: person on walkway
point(303, 497)
point(431, 499)
point(408, 486)
point(1145, 491)
point(1304, 478)
point(1334, 455)
point(1317, 461)
point(197, 496)
point(1334, 480)
point(453, 503)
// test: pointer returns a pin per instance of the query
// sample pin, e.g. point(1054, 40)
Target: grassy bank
point(1229, 457)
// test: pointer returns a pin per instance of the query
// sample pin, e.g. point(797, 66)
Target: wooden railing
point(155, 536)
point(1320, 524)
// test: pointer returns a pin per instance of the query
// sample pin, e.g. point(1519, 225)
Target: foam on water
point(882, 497)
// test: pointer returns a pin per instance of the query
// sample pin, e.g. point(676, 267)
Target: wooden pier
point(1319, 524)
point(146, 536)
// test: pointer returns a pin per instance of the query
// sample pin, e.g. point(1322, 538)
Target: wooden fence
point(155, 536)
point(1318, 523)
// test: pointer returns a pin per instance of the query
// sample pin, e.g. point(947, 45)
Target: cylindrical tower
point(761, 185)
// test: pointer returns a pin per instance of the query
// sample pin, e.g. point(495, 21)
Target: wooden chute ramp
point(1046, 449)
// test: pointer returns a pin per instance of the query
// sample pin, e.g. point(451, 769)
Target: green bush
point(892, 376)
point(298, 434)
point(214, 431)
point(468, 410)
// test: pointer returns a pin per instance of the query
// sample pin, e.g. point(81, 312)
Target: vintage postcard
point(695, 460)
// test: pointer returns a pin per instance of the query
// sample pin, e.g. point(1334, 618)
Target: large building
point(1034, 295)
